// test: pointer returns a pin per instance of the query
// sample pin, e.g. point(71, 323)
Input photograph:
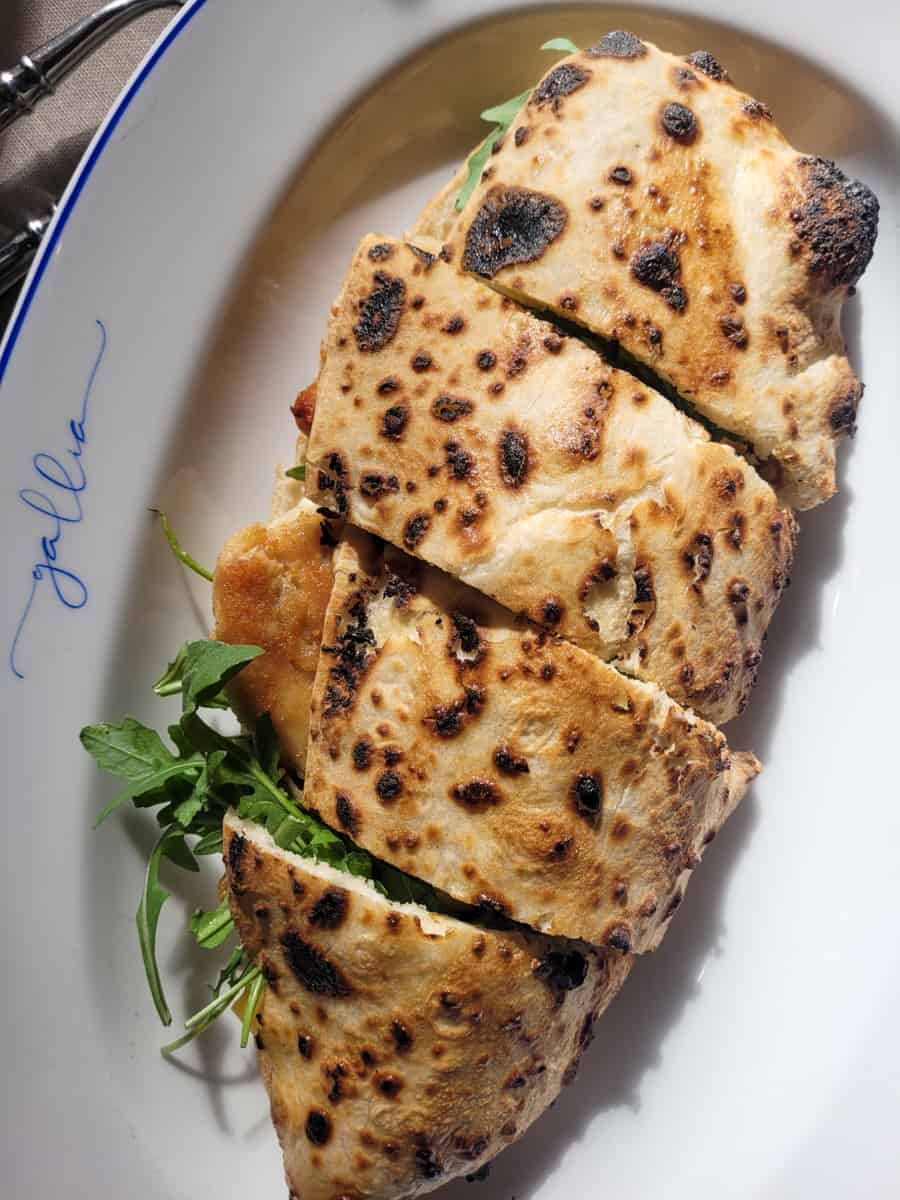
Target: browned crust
point(592, 835)
point(760, 245)
point(517, 460)
point(395, 1059)
point(271, 589)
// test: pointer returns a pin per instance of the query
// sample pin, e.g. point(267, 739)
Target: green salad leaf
point(178, 550)
point(298, 472)
point(502, 116)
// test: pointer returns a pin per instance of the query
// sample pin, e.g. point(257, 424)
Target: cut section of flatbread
point(399, 1048)
point(504, 766)
point(271, 589)
point(645, 197)
point(453, 423)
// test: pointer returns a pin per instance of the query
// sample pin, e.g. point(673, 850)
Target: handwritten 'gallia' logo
point(56, 499)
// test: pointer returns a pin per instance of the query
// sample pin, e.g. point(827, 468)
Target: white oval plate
point(173, 313)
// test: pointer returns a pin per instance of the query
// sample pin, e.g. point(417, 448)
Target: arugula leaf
point(208, 666)
point(503, 115)
point(199, 797)
point(211, 929)
point(177, 549)
point(138, 754)
point(170, 845)
point(561, 43)
point(202, 1020)
point(251, 1004)
point(265, 745)
point(298, 472)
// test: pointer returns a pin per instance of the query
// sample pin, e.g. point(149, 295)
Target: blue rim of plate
point(83, 172)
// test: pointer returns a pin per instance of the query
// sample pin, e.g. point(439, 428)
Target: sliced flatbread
point(399, 1048)
point(458, 426)
point(503, 766)
point(271, 589)
point(645, 197)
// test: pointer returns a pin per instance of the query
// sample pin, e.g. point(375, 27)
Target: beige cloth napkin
point(39, 152)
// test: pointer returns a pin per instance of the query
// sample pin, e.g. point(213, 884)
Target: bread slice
point(271, 588)
point(458, 426)
point(400, 1049)
point(506, 767)
point(647, 198)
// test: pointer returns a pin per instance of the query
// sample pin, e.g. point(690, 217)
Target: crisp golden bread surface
point(271, 589)
point(398, 1049)
point(506, 767)
point(453, 423)
point(647, 198)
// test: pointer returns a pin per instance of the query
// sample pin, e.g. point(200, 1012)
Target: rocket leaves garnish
point(178, 550)
point(192, 783)
point(501, 116)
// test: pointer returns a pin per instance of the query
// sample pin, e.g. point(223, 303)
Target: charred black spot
point(388, 786)
point(305, 1046)
point(704, 61)
point(643, 586)
point(420, 362)
point(318, 1126)
point(698, 559)
point(415, 530)
point(373, 485)
point(380, 313)
point(486, 360)
point(330, 910)
point(346, 814)
point(552, 611)
point(447, 719)
point(553, 344)
point(389, 1085)
point(362, 754)
point(657, 266)
point(450, 408)
point(311, 968)
point(513, 225)
point(562, 970)
point(838, 221)
point(380, 252)
point(618, 938)
point(513, 452)
point(398, 589)
point(618, 44)
point(509, 763)
point(738, 292)
point(733, 329)
point(679, 122)
point(460, 463)
point(422, 255)
point(427, 1163)
point(454, 325)
point(352, 653)
point(756, 110)
point(562, 81)
point(403, 1039)
point(388, 385)
point(476, 794)
point(521, 135)
point(620, 174)
point(327, 535)
point(842, 415)
point(236, 850)
point(588, 795)
point(465, 638)
point(394, 422)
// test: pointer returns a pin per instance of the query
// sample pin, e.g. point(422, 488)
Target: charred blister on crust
point(422, 255)
point(415, 529)
point(679, 122)
point(460, 463)
point(454, 325)
point(513, 455)
point(618, 43)
point(388, 786)
point(486, 360)
point(346, 814)
point(237, 847)
point(351, 650)
point(552, 610)
point(734, 331)
point(618, 937)
point(311, 968)
point(562, 81)
point(381, 251)
point(509, 763)
point(842, 413)
point(620, 174)
point(450, 408)
point(380, 313)
point(837, 221)
point(756, 110)
point(373, 485)
point(705, 62)
point(658, 266)
point(587, 793)
point(318, 1125)
point(464, 643)
point(330, 910)
point(563, 971)
point(394, 422)
point(513, 225)
point(476, 795)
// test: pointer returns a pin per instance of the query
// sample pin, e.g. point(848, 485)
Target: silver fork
point(35, 76)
